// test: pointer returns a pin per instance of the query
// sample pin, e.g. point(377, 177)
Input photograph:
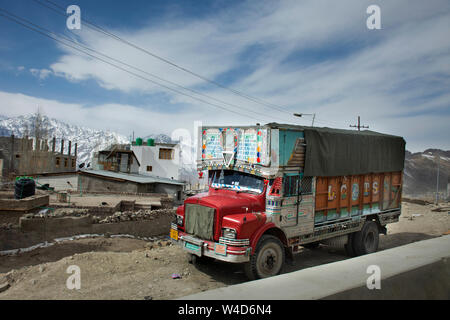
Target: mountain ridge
point(420, 169)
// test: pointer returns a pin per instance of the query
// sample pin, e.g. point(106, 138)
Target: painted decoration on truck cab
point(252, 146)
point(275, 189)
point(212, 146)
point(248, 145)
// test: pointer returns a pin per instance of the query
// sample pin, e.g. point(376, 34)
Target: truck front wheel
point(267, 260)
point(366, 240)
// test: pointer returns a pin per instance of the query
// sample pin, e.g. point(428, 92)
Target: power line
point(110, 34)
point(116, 66)
point(138, 69)
point(61, 11)
point(135, 68)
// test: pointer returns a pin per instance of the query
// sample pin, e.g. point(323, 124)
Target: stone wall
point(35, 230)
point(8, 203)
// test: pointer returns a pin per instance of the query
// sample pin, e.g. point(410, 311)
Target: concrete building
point(117, 158)
point(25, 156)
point(109, 181)
point(158, 160)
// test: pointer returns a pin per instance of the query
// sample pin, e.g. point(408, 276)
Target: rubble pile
point(134, 215)
point(58, 213)
point(7, 226)
point(118, 216)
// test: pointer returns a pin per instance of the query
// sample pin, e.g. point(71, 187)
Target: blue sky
point(303, 56)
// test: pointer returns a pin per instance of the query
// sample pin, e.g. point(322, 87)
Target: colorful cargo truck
point(276, 188)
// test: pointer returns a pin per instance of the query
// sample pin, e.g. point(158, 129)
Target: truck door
point(291, 199)
point(297, 211)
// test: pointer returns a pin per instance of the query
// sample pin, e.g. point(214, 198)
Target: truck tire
point(268, 259)
point(349, 246)
point(366, 240)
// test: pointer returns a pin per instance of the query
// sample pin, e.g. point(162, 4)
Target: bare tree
point(40, 126)
point(26, 130)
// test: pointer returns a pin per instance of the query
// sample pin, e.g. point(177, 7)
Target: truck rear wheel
point(366, 240)
point(349, 246)
point(268, 259)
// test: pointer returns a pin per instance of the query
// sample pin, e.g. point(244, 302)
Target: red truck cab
point(236, 202)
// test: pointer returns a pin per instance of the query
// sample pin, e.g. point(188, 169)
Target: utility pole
point(437, 180)
point(359, 126)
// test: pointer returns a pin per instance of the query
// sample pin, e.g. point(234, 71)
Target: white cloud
point(42, 74)
point(396, 78)
point(120, 118)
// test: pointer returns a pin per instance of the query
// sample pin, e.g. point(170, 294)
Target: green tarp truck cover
point(334, 152)
point(338, 152)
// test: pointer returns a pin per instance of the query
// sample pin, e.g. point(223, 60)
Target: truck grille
point(199, 221)
point(235, 242)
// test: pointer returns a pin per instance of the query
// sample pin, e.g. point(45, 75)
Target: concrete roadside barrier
point(419, 270)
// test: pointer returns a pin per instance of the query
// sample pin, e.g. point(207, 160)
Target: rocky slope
point(420, 173)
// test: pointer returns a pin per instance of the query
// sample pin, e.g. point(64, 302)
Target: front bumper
point(200, 247)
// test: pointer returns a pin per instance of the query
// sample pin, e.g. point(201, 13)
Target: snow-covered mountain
point(419, 174)
point(161, 138)
point(88, 140)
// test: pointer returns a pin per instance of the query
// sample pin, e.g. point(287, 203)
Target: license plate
point(174, 234)
point(220, 249)
point(192, 247)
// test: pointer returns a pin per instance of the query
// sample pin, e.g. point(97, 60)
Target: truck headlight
point(179, 220)
point(229, 233)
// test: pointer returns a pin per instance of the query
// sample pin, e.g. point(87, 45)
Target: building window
point(73, 163)
point(58, 160)
point(65, 162)
point(165, 154)
point(149, 168)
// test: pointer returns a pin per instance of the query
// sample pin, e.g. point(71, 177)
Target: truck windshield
point(239, 181)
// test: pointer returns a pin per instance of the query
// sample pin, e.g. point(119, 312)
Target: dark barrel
point(24, 187)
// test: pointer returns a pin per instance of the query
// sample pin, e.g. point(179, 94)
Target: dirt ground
point(118, 268)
